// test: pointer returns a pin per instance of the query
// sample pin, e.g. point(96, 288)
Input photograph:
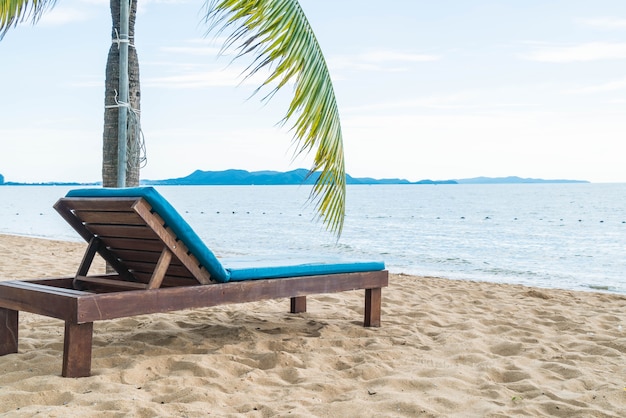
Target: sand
point(445, 349)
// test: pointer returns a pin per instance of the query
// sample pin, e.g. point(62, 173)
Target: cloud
point(386, 56)
point(192, 50)
point(590, 51)
point(598, 88)
point(383, 61)
point(603, 22)
point(230, 77)
point(200, 47)
point(63, 15)
point(466, 101)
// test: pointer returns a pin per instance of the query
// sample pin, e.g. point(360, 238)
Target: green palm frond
point(14, 11)
point(278, 35)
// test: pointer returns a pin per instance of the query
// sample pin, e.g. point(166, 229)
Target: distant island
point(270, 178)
point(295, 177)
point(299, 176)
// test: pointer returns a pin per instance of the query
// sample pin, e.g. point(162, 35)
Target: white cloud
point(230, 77)
point(604, 22)
point(387, 61)
point(63, 15)
point(451, 101)
point(467, 100)
point(192, 50)
point(98, 2)
point(200, 47)
point(394, 56)
point(591, 51)
point(610, 86)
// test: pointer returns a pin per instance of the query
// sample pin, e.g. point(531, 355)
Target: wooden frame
point(154, 273)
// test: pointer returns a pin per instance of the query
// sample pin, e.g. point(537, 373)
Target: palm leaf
point(13, 12)
point(277, 34)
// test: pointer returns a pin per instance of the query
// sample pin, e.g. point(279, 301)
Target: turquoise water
point(569, 236)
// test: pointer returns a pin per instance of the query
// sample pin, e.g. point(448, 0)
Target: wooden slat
point(161, 268)
point(61, 282)
point(118, 218)
point(37, 287)
point(120, 284)
point(121, 231)
point(142, 256)
point(168, 281)
point(115, 243)
point(90, 253)
point(174, 270)
point(117, 204)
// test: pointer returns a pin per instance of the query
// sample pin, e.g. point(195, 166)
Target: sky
point(445, 89)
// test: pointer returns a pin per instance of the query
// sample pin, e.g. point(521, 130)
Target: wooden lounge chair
point(160, 265)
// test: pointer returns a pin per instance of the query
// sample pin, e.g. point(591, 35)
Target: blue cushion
point(238, 269)
point(172, 219)
point(267, 268)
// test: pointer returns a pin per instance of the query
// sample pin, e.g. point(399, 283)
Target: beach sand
point(445, 349)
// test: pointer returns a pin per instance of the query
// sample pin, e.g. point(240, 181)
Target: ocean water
point(568, 236)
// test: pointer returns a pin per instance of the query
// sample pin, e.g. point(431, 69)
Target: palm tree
point(278, 36)
point(111, 110)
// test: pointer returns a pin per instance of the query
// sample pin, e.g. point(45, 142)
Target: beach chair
point(161, 265)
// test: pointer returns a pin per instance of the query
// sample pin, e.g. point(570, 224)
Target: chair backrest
point(140, 235)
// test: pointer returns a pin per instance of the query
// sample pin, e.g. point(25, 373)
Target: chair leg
point(373, 299)
point(298, 304)
point(8, 331)
point(77, 349)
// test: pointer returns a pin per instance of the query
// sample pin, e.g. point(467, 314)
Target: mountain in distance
point(299, 176)
point(295, 177)
point(270, 178)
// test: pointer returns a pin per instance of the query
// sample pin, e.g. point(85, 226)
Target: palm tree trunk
point(109, 137)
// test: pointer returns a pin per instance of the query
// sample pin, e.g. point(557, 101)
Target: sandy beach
point(445, 349)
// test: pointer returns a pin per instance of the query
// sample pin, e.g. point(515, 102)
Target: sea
point(567, 236)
